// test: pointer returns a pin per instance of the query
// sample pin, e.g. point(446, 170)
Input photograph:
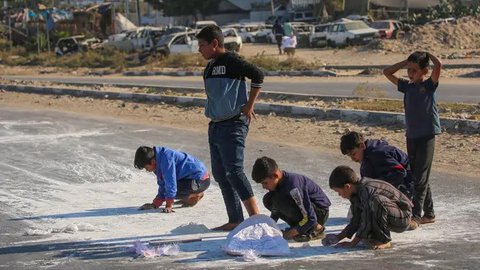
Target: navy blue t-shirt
point(421, 112)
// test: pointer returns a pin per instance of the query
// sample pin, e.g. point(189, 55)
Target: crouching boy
point(179, 176)
point(294, 198)
point(378, 208)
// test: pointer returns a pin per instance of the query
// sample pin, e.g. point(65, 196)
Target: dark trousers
point(227, 143)
point(186, 187)
point(287, 210)
point(385, 216)
point(420, 153)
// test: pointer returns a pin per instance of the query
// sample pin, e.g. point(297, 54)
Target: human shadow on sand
point(93, 249)
point(100, 212)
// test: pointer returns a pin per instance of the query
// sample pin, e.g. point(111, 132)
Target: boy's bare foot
point(378, 245)
point(382, 245)
point(427, 220)
point(192, 200)
point(413, 225)
point(226, 227)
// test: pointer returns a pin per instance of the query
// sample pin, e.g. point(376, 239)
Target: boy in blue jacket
point(294, 198)
point(379, 161)
point(179, 176)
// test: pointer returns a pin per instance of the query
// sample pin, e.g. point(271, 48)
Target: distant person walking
point(279, 32)
point(287, 28)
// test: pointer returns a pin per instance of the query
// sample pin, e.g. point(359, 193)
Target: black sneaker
point(314, 235)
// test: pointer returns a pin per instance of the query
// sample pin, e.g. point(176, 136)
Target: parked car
point(303, 16)
point(348, 32)
point(182, 42)
point(388, 28)
point(198, 25)
point(318, 35)
point(74, 44)
point(248, 31)
point(356, 17)
point(231, 39)
point(142, 38)
point(265, 35)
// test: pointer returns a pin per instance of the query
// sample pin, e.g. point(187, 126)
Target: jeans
point(227, 143)
point(186, 187)
point(287, 210)
point(420, 153)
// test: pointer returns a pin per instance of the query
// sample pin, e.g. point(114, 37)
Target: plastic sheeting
point(259, 235)
point(144, 250)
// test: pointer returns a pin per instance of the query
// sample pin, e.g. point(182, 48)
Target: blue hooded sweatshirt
point(173, 166)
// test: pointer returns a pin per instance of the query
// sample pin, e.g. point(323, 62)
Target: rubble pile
point(462, 35)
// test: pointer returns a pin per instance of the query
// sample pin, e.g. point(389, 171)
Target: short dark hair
point(264, 167)
point(143, 156)
point(350, 141)
point(420, 58)
point(211, 32)
point(341, 176)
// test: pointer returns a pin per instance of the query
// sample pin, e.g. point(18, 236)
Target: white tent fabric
point(123, 24)
point(258, 234)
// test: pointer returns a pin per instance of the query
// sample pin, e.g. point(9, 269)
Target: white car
point(183, 42)
point(318, 35)
point(231, 39)
point(347, 32)
point(248, 31)
point(265, 35)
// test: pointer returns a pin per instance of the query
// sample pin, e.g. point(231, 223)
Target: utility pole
point(406, 9)
point(139, 19)
point(272, 6)
point(127, 9)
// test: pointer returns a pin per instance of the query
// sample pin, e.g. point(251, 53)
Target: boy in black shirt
point(230, 111)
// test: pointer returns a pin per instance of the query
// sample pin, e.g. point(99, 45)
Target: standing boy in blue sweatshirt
point(230, 109)
point(379, 161)
point(179, 176)
point(294, 198)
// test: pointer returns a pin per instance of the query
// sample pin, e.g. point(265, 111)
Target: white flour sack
point(259, 234)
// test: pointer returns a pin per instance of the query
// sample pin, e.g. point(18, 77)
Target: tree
point(186, 7)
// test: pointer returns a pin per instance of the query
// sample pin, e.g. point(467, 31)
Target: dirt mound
point(464, 34)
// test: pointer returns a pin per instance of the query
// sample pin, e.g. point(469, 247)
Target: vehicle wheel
point(248, 40)
point(348, 42)
point(331, 44)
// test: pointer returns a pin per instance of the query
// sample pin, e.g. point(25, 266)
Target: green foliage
point(446, 9)
point(4, 44)
point(178, 61)
point(273, 63)
point(107, 57)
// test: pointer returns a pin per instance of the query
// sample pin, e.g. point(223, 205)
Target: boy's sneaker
point(413, 225)
point(427, 220)
point(315, 234)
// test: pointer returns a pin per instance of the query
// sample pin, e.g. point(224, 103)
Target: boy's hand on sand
point(290, 234)
point(330, 239)
point(147, 206)
point(168, 210)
